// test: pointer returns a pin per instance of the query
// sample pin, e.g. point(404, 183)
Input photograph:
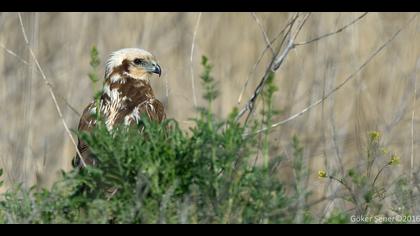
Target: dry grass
point(34, 144)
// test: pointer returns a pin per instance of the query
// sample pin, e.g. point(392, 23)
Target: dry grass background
point(34, 145)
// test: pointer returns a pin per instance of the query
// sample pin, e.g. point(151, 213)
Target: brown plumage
point(126, 96)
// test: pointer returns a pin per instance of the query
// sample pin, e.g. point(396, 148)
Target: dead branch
point(267, 40)
point(333, 33)
point(27, 63)
point(14, 54)
point(191, 59)
point(297, 44)
point(351, 76)
point(275, 64)
point(50, 89)
point(254, 67)
point(412, 122)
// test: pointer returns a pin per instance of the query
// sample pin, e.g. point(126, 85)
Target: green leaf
point(93, 77)
point(94, 57)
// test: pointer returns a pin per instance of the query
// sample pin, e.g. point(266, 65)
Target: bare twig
point(267, 40)
point(333, 33)
point(296, 44)
point(344, 184)
point(254, 67)
point(275, 64)
point(69, 105)
point(23, 29)
point(412, 122)
point(14, 54)
point(27, 63)
point(279, 59)
point(49, 89)
point(379, 173)
point(249, 106)
point(191, 59)
point(361, 67)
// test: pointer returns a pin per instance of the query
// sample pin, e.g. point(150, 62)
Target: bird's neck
point(126, 89)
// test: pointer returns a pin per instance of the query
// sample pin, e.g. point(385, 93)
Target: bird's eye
point(138, 61)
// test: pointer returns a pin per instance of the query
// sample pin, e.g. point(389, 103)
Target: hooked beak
point(157, 69)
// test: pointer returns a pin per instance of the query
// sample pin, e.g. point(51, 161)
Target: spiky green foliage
point(94, 63)
point(158, 173)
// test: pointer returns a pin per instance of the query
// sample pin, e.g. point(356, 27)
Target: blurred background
point(34, 145)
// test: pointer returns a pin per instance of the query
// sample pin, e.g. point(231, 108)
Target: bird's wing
point(86, 124)
point(154, 110)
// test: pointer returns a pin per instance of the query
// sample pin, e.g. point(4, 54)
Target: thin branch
point(249, 105)
point(28, 64)
point(23, 29)
point(279, 60)
point(302, 24)
point(267, 40)
point(275, 64)
point(68, 105)
point(368, 60)
point(412, 123)
point(291, 45)
point(353, 196)
point(333, 33)
point(191, 59)
point(254, 67)
point(50, 90)
point(379, 173)
point(14, 54)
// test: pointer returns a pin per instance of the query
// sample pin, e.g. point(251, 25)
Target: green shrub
point(219, 171)
point(161, 175)
point(365, 192)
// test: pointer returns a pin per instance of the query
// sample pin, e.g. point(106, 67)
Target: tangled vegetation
point(208, 174)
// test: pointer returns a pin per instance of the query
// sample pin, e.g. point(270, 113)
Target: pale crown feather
point(116, 58)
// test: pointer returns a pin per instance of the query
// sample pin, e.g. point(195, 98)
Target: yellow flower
point(322, 174)
point(375, 135)
point(395, 160)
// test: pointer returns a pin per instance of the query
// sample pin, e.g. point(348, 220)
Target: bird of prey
point(126, 96)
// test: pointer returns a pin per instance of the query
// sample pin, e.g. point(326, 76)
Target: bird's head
point(134, 62)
